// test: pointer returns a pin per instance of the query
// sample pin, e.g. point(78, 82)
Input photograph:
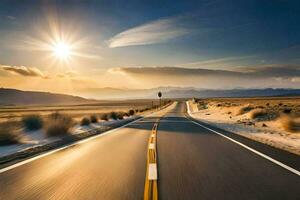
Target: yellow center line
point(151, 191)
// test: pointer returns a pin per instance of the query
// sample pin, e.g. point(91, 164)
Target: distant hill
point(181, 92)
point(19, 97)
point(117, 93)
point(268, 92)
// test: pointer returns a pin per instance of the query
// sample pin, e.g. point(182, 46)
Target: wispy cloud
point(272, 71)
point(216, 62)
point(68, 74)
point(150, 33)
point(10, 17)
point(24, 71)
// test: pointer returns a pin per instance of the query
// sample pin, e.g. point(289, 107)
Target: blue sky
point(118, 38)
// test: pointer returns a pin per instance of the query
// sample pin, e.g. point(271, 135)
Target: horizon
point(169, 93)
point(69, 48)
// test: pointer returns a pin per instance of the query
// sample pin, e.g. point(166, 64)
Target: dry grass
point(104, 116)
point(290, 124)
point(32, 122)
point(85, 121)
point(131, 112)
point(113, 115)
point(93, 119)
point(8, 113)
point(58, 125)
point(258, 113)
point(244, 109)
point(9, 135)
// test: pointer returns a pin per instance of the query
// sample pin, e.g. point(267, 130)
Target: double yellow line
point(150, 191)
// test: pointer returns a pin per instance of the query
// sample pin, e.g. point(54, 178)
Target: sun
point(62, 50)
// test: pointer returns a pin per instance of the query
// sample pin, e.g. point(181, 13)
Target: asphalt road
point(193, 163)
point(112, 166)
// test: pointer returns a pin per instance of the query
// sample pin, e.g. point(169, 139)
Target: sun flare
point(62, 50)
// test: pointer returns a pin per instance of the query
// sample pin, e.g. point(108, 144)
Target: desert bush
point(264, 125)
point(85, 121)
point(131, 112)
point(8, 135)
point(104, 116)
point(120, 115)
point(287, 110)
point(290, 124)
point(59, 125)
point(113, 115)
point(258, 113)
point(32, 122)
point(94, 119)
point(244, 109)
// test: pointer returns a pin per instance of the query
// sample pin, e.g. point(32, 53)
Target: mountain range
point(19, 97)
point(183, 92)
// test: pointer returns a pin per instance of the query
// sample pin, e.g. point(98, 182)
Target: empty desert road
point(193, 163)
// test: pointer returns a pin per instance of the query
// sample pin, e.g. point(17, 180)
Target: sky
point(70, 46)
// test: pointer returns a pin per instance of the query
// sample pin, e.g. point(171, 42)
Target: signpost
point(159, 95)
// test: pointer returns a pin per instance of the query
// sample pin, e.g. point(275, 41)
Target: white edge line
point(70, 145)
point(249, 148)
point(151, 146)
point(152, 174)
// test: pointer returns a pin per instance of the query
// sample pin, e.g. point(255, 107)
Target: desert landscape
point(24, 127)
point(271, 120)
point(131, 100)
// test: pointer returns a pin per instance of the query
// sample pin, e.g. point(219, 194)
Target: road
point(193, 163)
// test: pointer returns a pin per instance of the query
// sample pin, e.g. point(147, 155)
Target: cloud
point(171, 71)
point(10, 17)
point(243, 72)
point(68, 74)
point(24, 71)
point(258, 76)
point(150, 33)
point(216, 62)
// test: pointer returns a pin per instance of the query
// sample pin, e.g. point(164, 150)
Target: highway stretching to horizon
point(192, 162)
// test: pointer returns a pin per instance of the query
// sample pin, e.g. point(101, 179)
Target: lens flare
point(62, 50)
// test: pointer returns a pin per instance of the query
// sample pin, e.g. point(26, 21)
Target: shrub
point(32, 122)
point(287, 110)
point(8, 135)
point(104, 116)
point(131, 112)
point(264, 125)
point(257, 113)
point(120, 115)
point(58, 125)
point(290, 124)
point(85, 121)
point(94, 119)
point(113, 115)
point(244, 109)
